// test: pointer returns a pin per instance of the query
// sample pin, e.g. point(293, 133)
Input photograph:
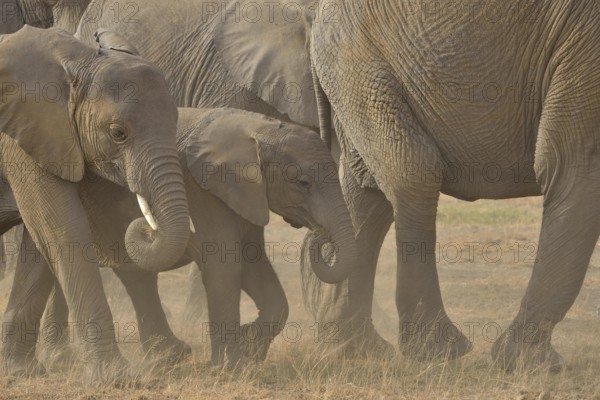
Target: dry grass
point(481, 290)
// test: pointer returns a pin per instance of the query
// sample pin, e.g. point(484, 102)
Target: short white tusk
point(192, 227)
point(147, 213)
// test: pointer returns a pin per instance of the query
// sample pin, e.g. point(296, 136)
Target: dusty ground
point(481, 288)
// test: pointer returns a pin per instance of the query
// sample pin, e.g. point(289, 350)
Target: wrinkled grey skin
point(50, 142)
point(14, 14)
point(405, 140)
point(228, 212)
point(64, 14)
point(8, 252)
point(215, 56)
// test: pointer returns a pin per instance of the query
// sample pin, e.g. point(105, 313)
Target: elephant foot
point(20, 362)
point(23, 368)
point(365, 342)
point(167, 351)
point(255, 343)
point(53, 356)
point(524, 348)
point(434, 340)
point(111, 373)
point(228, 355)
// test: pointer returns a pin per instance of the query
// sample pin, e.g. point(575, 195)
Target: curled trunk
point(331, 251)
point(166, 208)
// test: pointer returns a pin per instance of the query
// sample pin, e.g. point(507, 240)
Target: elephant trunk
point(159, 240)
point(338, 233)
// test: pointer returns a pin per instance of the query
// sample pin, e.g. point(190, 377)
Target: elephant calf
point(237, 165)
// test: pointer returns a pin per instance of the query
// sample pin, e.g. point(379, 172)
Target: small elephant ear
point(36, 104)
point(269, 54)
point(223, 157)
point(110, 40)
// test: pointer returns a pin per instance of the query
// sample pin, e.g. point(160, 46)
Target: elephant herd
point(135, 134)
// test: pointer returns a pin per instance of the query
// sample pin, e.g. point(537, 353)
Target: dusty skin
point(482, 294)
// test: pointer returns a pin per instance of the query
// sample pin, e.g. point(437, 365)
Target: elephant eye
point(117, 133)
point(304, 184)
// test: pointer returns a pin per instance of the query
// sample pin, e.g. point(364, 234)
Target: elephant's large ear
point(224, 159)
point(265, 49)
point(36, 104)
point(110, 40)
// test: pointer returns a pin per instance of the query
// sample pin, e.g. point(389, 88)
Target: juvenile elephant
point(64, 14)
point(426, 105)
point(60, 119)
point(237, 166)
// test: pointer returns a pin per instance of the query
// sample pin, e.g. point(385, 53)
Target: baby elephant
point(237, 165)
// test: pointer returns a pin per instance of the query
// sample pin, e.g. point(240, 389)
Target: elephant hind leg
point(568, 171)
point(567, 239)
point(156, 336)
point(196, 308)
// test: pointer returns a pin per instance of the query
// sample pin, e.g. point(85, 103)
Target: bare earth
point(485, 252)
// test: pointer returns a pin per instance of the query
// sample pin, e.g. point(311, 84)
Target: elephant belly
point(472, 180)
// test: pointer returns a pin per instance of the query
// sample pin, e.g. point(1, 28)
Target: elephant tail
point(323, 108)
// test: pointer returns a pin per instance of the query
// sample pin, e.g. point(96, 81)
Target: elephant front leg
point(56, 348)
point(58, 224)
point(344, 311)
point(261, 283)
point(426, 331)
point(158, 340)
point(20, 327)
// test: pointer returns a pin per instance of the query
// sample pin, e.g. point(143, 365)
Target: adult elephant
point(64, 14)
point(426, 105)
point(60, 118)
point(239, 54)
point(237, 166)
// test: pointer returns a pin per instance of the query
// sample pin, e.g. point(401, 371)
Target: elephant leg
point(567, 239)
point(20, 327)
point(196, 308)
point(425, 329)
point(158, 340)
point(3, 260)
point(261, 283)
point(56, 347)
point(222, 281)
point(406, 165)
point(568, 172)
point(343, 311)
point(58, 224)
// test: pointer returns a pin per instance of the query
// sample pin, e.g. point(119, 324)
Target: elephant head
point(103, 110)
point(254, 163)
point(64, 14)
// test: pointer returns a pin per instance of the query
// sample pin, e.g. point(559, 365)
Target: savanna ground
point(486, 251)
